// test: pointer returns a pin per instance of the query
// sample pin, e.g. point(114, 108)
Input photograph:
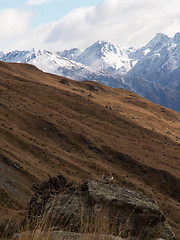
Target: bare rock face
point(136, 214)
point(102, 208)
point(62, 235)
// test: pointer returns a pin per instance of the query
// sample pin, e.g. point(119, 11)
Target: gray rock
point(62, 235)
point(65, 82)
point(110, 108)
point(17, 165)
point(106, 207)
point(65, 235)
point(83, 90)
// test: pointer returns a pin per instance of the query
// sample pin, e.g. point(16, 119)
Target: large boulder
point(101, 208)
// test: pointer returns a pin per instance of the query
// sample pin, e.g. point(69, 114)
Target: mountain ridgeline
point(152, 71)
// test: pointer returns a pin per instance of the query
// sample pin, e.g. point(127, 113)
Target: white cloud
point(131, 22)
point(37, 2)
point(14, 26)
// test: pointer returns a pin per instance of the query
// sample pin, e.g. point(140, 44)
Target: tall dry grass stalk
point(89, 225)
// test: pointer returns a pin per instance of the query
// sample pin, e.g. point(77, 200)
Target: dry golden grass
point(99, 229)
point(50, 128)
point(91, 227)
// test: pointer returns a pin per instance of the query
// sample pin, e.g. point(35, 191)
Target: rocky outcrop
point(101, 208)
point(65, 235)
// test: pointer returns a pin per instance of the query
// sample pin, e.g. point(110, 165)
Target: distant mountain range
point(152, 71)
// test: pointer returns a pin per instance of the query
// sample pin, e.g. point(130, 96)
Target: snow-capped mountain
point(106, 56)
point(159, 40)
point(71, 54)
point(152, 71)
point(51, 62)
point(102, 55)
point(1, 54)
point(46, 61)
point(162, 62)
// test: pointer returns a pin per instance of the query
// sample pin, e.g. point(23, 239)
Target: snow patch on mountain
point(160, 62)
point(159, 40)
point(71, 54)
point(2, 54)
point(106, 56)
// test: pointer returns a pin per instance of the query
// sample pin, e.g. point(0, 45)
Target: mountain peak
point(100, 42)
point(105, 55)
point(176, 37)
point(105, 49)
point(71, 54)
point(106, 46)
point(158, 40)
point(161, 36)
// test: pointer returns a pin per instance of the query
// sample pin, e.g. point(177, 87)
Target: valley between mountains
point(52, 125)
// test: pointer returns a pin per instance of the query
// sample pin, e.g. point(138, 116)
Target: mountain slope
point(50, 125)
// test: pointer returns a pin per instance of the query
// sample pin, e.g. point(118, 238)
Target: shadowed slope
point(51, 125)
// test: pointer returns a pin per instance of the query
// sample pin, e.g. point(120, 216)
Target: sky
point(64, 24)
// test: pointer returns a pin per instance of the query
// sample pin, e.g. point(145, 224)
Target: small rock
point(91, 147)
point(83, 90)
point(95, 89)
point(17, 165)
point(87, 141)
point(110, 108)
point(64, 81)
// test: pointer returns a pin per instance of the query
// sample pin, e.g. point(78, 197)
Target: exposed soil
point(51, 125)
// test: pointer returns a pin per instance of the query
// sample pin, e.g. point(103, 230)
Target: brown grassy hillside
point(51, 125)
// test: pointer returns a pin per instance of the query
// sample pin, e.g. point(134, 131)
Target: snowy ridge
point(45, 60)
point(161, 64)
point(53, 63)
point(159, 40)
point(152, 71)
point(106, 56)
point(71, 54)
